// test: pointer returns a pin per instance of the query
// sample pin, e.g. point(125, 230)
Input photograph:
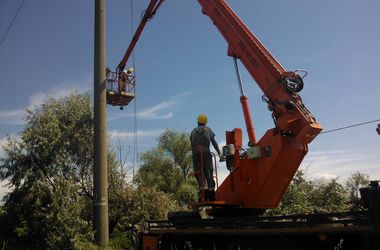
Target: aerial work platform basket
point(120, 88)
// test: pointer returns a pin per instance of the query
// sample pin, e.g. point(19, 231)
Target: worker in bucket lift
point(200, 139)
point(125, 78)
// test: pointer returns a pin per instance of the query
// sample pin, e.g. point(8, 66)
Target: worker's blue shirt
point(201, 135)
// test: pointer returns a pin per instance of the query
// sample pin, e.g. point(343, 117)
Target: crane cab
point(120, 88)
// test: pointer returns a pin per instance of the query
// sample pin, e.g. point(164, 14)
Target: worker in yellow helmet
point(200, 139)
point(125, 79)
point(129, 76)
point(129, 71)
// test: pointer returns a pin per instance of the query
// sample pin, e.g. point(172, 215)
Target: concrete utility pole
point(100, 202)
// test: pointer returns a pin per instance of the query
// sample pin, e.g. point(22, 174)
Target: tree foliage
point(57, 141)
point(158, 171)
point(49, 168)
point(353, 184)
point(177, 146)
point(324, 195)
point(297, 197)
point(130, 205)
point(330, 196)
point(167, 167)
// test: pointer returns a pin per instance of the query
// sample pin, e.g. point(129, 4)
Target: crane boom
point(260, 175)
point(148, 14)
point(265, 70)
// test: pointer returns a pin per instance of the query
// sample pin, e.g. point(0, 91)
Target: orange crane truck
point(260, 174)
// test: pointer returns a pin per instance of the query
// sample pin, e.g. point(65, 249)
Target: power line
point(13, 20)
point(350, 126)
point(135, 150)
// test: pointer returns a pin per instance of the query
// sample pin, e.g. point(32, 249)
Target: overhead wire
point(349, 126)
point(135, 154)
point(11, 23)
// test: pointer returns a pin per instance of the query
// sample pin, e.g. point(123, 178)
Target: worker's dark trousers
point(203, 154)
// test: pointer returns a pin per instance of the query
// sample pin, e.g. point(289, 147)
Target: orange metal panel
point(150, 243)
point(235, 137)
point(116, 99)
point(261, 183)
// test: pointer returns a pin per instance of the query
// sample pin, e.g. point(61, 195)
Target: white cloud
point(59, 91)
point(39, 98)
point(333, 164)
point(326, 176)
point(158, 111)
point(3, 142)
point(152, 112)
point(16, 116)
point(343, 163)
point(140, 133)
point(12, 116)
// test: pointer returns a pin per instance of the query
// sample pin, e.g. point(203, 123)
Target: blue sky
point(182, 69)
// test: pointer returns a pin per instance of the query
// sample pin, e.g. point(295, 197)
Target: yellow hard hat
point(202, 119)
point(130, 70)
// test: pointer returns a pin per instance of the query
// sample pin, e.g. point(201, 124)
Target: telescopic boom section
point(288, 110)
point(260, 176)
point(149, 13)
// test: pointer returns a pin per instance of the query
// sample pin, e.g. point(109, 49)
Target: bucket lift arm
point(148, 15)
point(121, 85)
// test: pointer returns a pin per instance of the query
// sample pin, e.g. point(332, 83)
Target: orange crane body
point(261, 182)
point(259, 177)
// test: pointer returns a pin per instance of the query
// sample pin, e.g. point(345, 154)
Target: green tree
point(177, 146)
point(306, 196)
point(157, 170)
point(57, 141)
point(49, 166)
point(167, 167)
point(353, 185)
point(329, 196)
point(297, 197)
point(130, 205)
